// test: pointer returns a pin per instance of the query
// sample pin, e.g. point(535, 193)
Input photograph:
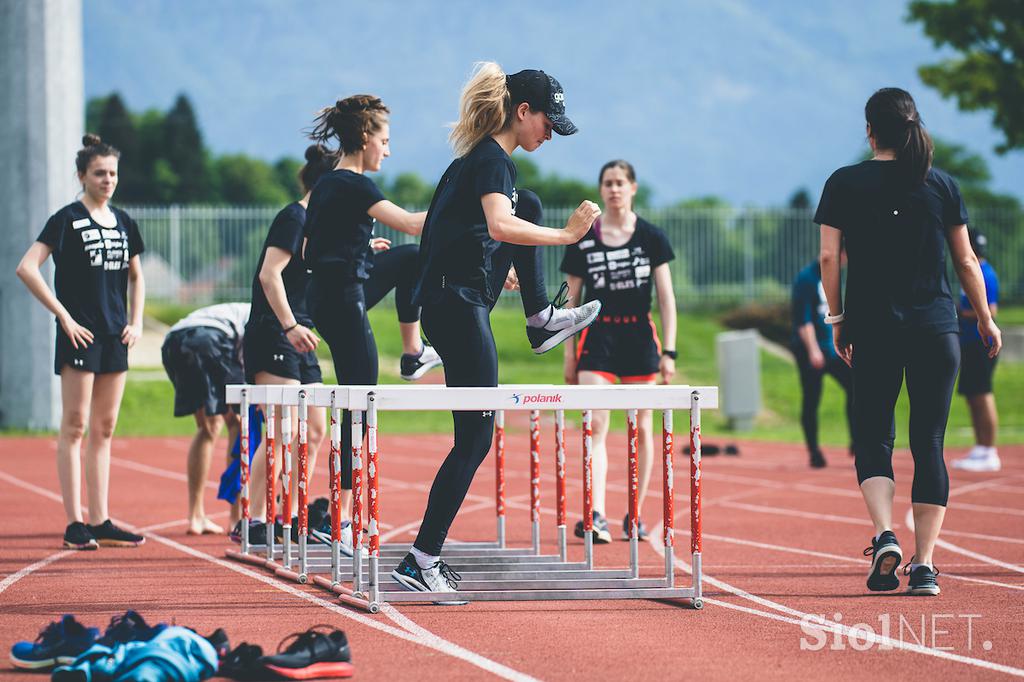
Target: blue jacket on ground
point(176, 654)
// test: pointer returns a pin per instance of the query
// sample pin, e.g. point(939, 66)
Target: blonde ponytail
point(484, 108)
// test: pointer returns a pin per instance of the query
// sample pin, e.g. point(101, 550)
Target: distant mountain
point(747, 100)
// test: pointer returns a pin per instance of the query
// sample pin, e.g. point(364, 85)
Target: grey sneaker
point(563, 323)
point(438, 578)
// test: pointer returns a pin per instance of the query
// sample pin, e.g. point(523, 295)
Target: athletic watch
point(669, 354)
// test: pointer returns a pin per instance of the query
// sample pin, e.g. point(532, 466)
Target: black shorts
point(105, 355)
point(266, 349)
point(976, 369)
point(200, 361)
point(620, 347)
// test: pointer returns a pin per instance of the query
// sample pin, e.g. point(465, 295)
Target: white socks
point(540, 319)
point(914, 567)
point(423, 559)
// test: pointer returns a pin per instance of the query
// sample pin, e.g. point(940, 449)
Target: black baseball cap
point(543, 93)
point(979, 242)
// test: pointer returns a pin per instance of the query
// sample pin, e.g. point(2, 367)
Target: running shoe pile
point(130, 648)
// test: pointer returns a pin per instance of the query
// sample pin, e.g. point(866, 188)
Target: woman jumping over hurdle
point(472, 212)
point(618, 261)
point(96, 249)
point(896, 214)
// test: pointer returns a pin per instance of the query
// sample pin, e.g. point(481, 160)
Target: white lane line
point(181, 522)
point(42, 563)
point(432, 642)
point(966, 552)
point(800, 514)
point(155, 471)
point(805, 619)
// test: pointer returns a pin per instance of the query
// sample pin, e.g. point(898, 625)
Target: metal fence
point(724, 256)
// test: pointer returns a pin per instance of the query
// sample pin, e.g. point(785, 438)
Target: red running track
point(781, 542)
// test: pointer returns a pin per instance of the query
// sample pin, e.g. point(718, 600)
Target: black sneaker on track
point(312, 654)
point(412, 367)
point(322, 535)
point(77, 536)
point(563, 323)
point(129, 627)
point(602, 536)
point(818, 460)
point(109, 535)
point(257, 532)
point(60, 643)
point(641, 529)
point(438, 578)
point(885, 560)
point(922, 580)
point(244, 662)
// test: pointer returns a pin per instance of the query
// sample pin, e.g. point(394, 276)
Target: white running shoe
point(563, 322)
point(438, 578)
point(980, 459)
point(415, 366)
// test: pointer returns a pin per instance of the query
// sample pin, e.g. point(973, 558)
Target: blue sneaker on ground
point(129, 627)
point(60, 643)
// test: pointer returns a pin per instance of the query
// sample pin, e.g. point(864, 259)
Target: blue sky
point(748, 100)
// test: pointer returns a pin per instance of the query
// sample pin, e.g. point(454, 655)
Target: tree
point(245, 180)
point(989, 72)
point(117, 128)
point(183, 149)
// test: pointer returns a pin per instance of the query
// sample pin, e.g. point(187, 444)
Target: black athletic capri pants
point(811, 381)
point(930, 362)
point(340, 316)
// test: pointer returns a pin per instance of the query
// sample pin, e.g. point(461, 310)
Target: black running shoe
point(320, 651)
point(244, 662)
point(641, 529)
point(413, 367)
point(563, 323)
point(129, 627)
point(885, 559)
point(60, 643)
point(818, 460)
point(257, 532)
point(77, 536)
point(602, 536)
point(438, 578)
point(922, 580)
point(109, 535)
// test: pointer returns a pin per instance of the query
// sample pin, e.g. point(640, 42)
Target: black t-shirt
point(621, 277)
point(456, 249)
point(91, 265)
point(338, 226)
point(286, 232)
point(896, 247)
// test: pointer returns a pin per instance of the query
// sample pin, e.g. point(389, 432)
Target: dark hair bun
point(91, 140)
point(314, 153)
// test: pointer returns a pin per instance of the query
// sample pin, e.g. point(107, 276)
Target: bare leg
point(107, 390)
point(76, 395)
point(878, 492)
point(200, 451)
point(984, 418)
point(411, 343)
point(645, 455)
point(927, 524)
point(258, 489)
point(599, 448)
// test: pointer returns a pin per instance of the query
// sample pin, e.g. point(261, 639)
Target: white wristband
point(833, 319)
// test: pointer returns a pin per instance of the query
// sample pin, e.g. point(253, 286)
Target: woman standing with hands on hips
point(471, 214)
point(895, 214)
point(619, 261)
point(95, 249)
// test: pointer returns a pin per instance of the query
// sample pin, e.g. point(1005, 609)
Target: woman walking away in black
point(471, 214)
point(895, 214)
point(96, 255)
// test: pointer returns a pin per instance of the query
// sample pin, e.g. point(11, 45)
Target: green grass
point(148, 404)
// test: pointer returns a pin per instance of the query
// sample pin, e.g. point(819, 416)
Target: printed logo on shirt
point(618, 254)
point(586, 244)
point(109, 233)
point(515, 200)
point(596, 257)
point(643, 271)
point(600, 282)
point(80, 223)
point(96, 258)
point(90, 235)
point(597, 268)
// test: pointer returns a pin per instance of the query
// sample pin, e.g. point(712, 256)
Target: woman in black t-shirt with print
point(895, 214)
point(619, 261)
point(471, 222)
point(95, 249)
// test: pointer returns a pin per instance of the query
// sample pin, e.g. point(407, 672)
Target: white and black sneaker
point(322, 534)
point(922, 579)
point(438, 578)
point(415, 366)
point(885, 560)
point(562, 322)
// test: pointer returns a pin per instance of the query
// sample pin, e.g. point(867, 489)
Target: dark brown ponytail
point(93, 146)
point(349, 121)
point(896, 125)
point(318, 162)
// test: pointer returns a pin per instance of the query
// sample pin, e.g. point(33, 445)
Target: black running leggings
point(461, 334)
point(811, 381)
point(930, 362)
point(340, 316)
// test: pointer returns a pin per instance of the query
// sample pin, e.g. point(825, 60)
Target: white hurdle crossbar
point(491, 570)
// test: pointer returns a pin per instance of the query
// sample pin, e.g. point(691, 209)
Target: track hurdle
point(495, 571)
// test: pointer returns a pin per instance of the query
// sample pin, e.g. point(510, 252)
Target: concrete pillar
point(41, 120)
